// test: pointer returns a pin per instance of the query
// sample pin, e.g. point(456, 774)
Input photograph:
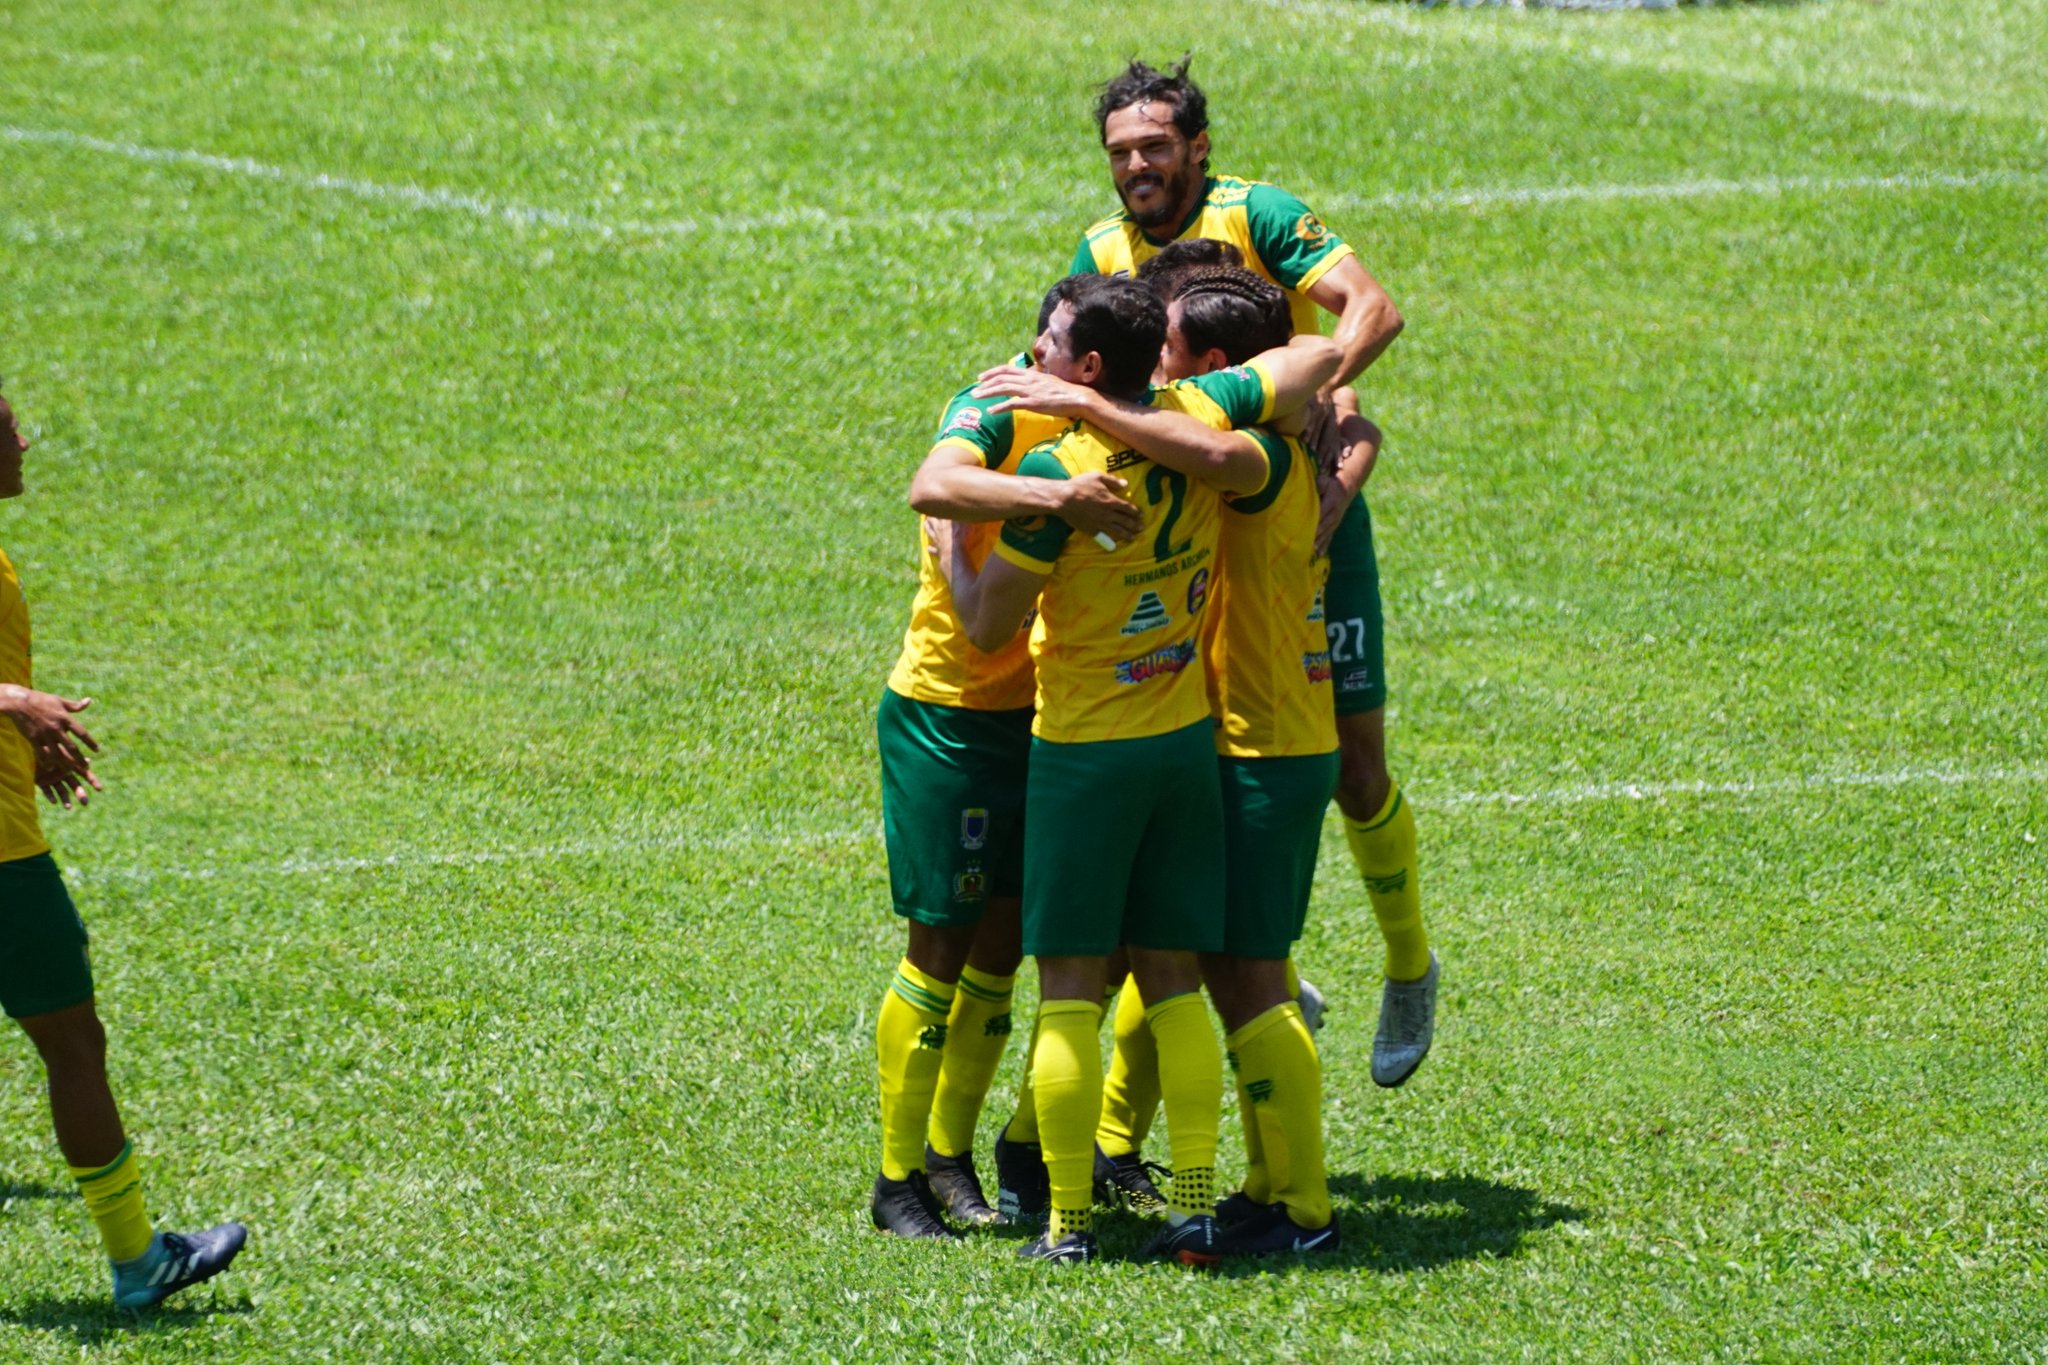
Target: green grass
point(486, 620)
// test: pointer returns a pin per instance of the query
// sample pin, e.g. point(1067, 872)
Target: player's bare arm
point(1225, 460)
point(992, 600)
point(1367, 321)
point(1351, 449)
point(953, 485)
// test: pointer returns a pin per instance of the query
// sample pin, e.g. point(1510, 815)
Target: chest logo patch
point(1149, 614)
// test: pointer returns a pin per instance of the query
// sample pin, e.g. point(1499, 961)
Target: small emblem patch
point(967, 419)
point(1198, 591)
point(973, 828)
point(1149, 614)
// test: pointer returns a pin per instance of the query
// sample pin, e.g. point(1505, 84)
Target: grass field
point(471, 443)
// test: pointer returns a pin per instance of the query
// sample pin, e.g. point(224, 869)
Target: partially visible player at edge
point(45, 975)
point(1124, 819)
point(954, 730)
point(1154, 128)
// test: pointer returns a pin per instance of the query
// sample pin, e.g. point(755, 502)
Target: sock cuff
point(85, 1175)
point(986, 986)
point(1049, 1010)
point(1386, 813)
point(1272, 1018)
point(1172, 1004)
point(921, 992)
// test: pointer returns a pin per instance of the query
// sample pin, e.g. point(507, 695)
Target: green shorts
point(952, 806)
point(1351, 615)
point(1124, 844)
point(43, 965)
point(1272, 826)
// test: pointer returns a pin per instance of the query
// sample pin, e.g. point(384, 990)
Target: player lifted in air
point(45, 975)
point(1154, 128)
point(1123, 824)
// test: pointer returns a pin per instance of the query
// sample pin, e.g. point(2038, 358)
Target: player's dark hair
point(1122, 321)
point(1228, 308)
point(1164, 271)
point(1138, 83)
point(1060, 293)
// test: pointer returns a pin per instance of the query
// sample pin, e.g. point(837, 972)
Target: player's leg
point(1378, 825)
point(1130, 1101)
point(977, 1031)
point(46, 986)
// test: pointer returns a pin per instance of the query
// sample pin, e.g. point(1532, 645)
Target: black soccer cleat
point(1238, 1208)
point(174, 1261)
point(1023, 1189)
point(1127, 1182)
point(908, 1208)
point(1191, 1242)
point(958, 1187)
point(1076, 1248)
point(1273, 1233)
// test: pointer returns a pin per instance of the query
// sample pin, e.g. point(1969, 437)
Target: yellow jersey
point(1263, 646)
point(1281, 238)
point(21, 829)
point(937, 663)
point(1117, 640)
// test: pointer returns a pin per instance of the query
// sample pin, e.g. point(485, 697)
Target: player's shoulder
point(1112, 226)
point(1229, 191)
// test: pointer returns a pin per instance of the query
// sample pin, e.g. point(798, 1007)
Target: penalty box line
point(427, 199)
point(1584, 794)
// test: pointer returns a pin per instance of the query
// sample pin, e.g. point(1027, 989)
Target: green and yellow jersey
point(1278, 234)
point(938, 664)
point(21, 830)
point(1117, 641)
point(1263, 644)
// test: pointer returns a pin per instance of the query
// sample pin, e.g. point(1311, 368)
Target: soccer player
point(954, 733)
point(1123, 814)
point(1154, 128)
point(45, 974)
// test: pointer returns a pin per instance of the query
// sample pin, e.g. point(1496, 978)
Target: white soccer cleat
point(1407, 1024)
point(1312, 1004)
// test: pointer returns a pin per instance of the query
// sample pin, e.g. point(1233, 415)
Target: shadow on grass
point(1397, 1223)
point(92, 1320)
point(28, 1189)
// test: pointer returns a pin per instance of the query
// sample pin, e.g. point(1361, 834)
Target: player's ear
point(1198, 147)
point(1090, 368)
point(1214, 359)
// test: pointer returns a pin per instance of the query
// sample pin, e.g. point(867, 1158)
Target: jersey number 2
point(1162, 481)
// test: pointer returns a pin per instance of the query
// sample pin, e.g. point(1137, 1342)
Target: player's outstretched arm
point(1299, 370)
point(1225, 460)
point(992, 600)
point(1367, 320)
point(1351, 447)
point(47, 722)
point(951, 484)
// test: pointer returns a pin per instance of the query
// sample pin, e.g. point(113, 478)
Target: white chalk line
point(526, 215)
point(403, 860)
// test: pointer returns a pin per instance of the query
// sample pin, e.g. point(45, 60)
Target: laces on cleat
point(908, 1208)
point(1130, 1182)
point(958, 1186)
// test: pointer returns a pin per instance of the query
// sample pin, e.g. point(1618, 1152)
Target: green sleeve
point(1084, 261)
point(968, 420)
point(1041, 538)
point(1279, 461)
point(1240, 390)
point(1289, 238)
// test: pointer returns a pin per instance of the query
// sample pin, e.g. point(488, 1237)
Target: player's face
point(1053, 351)
point(12, 447)
point(1158, 172)
point(1176, 360)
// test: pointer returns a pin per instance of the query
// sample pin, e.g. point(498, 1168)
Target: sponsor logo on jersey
point(1315, 613)
point(1198, 591)
point(1123, 459)
point(970, 885)
point(1149, 614)
point(973, 828)
point(1310, 229)
point(1160, 663)
point(1317, 666)
point(967, 419)
point(1357, 677)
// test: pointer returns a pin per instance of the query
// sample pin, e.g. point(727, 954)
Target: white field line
point(412, 859)
point(526, 215)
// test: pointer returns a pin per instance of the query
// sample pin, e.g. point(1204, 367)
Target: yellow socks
point(1384, 849)
point(1280, 1093)
point(976, 1033)
point(113, 1196)
point(910, 1041)
point(1191, 1084)
point(1066, 1071)
point(1023, 1124)
point(1130, 1092)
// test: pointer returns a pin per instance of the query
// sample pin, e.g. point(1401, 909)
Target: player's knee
point(1362, 785)
point(70, 1042)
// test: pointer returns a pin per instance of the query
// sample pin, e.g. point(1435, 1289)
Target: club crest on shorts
point(970, 885)
point(973, 828)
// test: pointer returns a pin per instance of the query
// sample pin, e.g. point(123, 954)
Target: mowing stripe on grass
point(527, 215)
point(409, 859)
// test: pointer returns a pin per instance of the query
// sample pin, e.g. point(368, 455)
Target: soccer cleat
point(907, 1208)
point(1023, 1189)
point(1312, 1006)
point(1238, 1208)
point(1076, 1248)
point(1192, 1241)
point(1407, 1023)
point(1127, 1182)
point(1273, 1233)
point(174, 1261)
point(958, 1186)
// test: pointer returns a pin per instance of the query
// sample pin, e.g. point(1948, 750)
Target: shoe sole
point(1397, 1082)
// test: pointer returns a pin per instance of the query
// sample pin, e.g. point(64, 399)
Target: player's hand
point(1319, 434)
point(1034, 390)
point(1336, 500)
point(1094, 504)
point(67, 786)
point(45, 721)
